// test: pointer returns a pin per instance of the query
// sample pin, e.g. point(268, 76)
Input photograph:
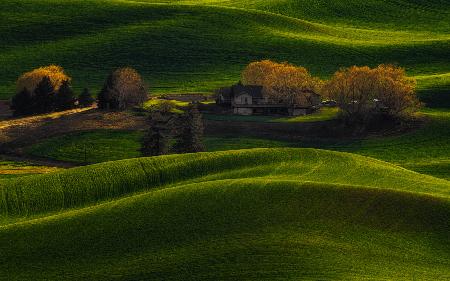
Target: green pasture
point(323, 114)
point(303, 214)
point(425, 150)
point(13, 169)
point(196, 46)
point(108, 145)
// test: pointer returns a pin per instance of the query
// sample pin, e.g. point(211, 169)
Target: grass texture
point(185, 46)
point(425, 150)
point(12, 169)
point(262, 214)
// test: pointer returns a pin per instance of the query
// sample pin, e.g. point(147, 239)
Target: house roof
point(254, 91)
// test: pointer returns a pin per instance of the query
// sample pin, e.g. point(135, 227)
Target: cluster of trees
point(363, 92)
point(360, 92)
point(44, 90)
point(171, 131)
point(282, 82)
point(48, 89)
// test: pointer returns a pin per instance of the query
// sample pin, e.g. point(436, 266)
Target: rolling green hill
point(199, 45)
point(262, 214)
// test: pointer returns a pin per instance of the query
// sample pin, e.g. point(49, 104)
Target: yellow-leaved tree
point(283, 82)
point(31, 79)
point(361, 92)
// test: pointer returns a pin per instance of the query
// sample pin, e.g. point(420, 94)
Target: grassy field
point(304, 214)
point(108, 145)
point(260, 214)
point(12, 169)
point(426, 150)
point(324, 114)
point(190, 46)
point(90, 147)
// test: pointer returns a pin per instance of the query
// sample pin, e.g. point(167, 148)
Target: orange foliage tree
point(31, 79)
point(361, 92)
point(124, 88)
point(282, 82)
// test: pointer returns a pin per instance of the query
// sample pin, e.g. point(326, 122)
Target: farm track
point(15, 133)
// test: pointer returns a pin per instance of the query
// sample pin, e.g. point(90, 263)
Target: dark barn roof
point(254, 91)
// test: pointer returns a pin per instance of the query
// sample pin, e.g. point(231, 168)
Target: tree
point(85, 99)
point(123, 88)
point(396, 91)
point(362, 92)
point(22, 103)
point(65, 97)
point(31, 79)
point(161, 128)
point(283, 82)
point(191, 135)
point(43, 98)
point(256, 73)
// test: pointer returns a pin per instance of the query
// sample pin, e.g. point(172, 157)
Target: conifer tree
point(191, 135)
point(44, 96)
point(65, 98)
point(157, 138)
point(85, 99)
point(22, 103)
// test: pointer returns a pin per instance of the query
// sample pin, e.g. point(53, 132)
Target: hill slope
point(299, 214)
point(199, 45)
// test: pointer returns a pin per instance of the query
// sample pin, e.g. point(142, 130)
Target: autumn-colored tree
point(283, 82)
point(396, 91)
point(30, 80)
point(257, 73)
point(361, 92)
point(124, 88)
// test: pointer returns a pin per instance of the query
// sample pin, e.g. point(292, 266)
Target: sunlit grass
point(249, 214)
point(11, 169)
point(198, 47)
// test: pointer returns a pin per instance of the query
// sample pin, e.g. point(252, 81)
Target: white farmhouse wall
point(243, 99)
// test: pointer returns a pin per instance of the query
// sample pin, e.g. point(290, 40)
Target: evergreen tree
point(44, 96)
point(156, 140)
point(103, 96)
point(65, 99)
point(22, 103)
point(191, 135)
point(85, 99)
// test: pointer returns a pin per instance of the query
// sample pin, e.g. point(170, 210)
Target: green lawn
point(262, 214)
point(196, 46)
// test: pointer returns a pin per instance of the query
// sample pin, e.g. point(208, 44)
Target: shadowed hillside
point(199, 45)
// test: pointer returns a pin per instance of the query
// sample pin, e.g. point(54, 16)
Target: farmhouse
point(250, 100)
